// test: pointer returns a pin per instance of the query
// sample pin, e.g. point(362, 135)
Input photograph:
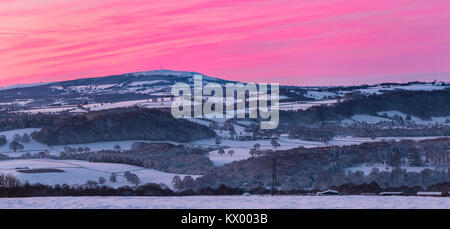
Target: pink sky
point(299, 42)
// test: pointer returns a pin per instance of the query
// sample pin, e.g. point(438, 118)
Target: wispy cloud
point(290, 41)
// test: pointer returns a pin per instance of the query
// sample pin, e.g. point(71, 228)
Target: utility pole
point(274, 175)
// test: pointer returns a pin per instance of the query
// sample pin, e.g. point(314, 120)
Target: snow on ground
point(199, 121)
point(147, 103)
point(78, 172)
point(413, 87)
point(242, 148)
point(285, 142)
point(49, 110)
point(219, 160)
point(288, 143)
point(20, 102)
point(293, 106)
point(245, 123)
point(369, 119)
point(230, 202)
point(319, 94)
point(90, 88)
point(349, 140)
point(367, 169)
point(22, 85)
point(441, 120)
point(32, 146)
point(142, 83)
point(434, 120)
point(97, 146)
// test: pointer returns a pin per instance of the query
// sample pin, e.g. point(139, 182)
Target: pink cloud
point(295, 42)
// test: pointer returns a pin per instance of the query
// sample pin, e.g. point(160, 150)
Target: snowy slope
point(231, 202)
point(78, 172)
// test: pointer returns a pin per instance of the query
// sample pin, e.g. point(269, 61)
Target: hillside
point(122, 124)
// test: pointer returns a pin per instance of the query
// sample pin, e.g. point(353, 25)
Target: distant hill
point(122, 124)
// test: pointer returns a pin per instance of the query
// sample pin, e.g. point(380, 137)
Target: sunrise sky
point(299, 42)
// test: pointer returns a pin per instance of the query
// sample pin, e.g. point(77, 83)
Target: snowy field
point(34, 147)
point(367, 169)
point(293, 106)
point(78, 172)
point(389, 115)
point(242, 148)
point(230, 202)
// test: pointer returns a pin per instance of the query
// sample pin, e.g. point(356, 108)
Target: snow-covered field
point(367, 169)
point(34, 147)
point(147, 103)
point(78, 172)
point(387, 116)
point(31, 147)
point(230, 202)
point(293, 106)
point(219, 160)
point(242, 148)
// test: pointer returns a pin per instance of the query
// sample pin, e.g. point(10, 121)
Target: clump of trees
point(121, 124)
point(187, 183)
point(231, 152)
point(113, 178)
point(15, 145)
point(9, 181)
point(422, 104)
point(312, 134)
point(221, 152)
point(12, 187)
point(322, 167)
point(275, 143)
point(3, 140)
point(132, 178)
point(161, 156)
point(101, 180)
point(25, 138)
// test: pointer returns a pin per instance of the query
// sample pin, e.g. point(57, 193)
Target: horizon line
point(31, 84)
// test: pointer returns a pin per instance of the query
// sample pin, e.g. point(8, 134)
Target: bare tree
point(274, 143)
point(17, 138)
point(113, 178)
point(188, 183)
point(218, 141)
point(26, 138)
point(252, 152)
point(221, 152)
point(132, 178)
point(16, 146)
point(101, 180)
point(177, 183)
point(230, 152)
point(3, 140)
point(8, 181)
